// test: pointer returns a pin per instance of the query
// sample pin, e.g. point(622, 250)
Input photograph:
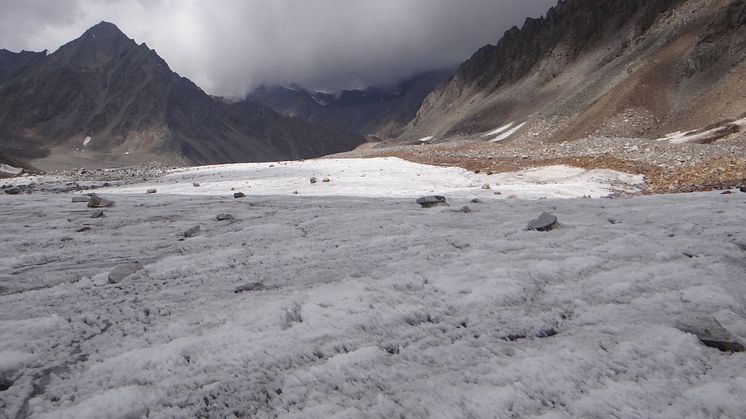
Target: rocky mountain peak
point(99, 44)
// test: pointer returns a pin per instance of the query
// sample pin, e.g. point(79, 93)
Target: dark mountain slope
point(106, 98)
point(12, 63)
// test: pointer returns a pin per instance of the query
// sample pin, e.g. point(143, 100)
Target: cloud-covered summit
point(231, 46)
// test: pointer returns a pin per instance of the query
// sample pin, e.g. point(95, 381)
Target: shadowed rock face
point(124, 98)
point(586, 63)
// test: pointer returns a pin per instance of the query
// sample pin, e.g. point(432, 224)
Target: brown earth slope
point(638, 68)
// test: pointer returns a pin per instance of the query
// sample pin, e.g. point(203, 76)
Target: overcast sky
point(230, 46)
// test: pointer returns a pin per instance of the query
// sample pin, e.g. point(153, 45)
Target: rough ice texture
point(371, 307)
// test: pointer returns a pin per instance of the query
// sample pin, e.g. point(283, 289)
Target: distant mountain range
point(377, 111)
point(103, 100)
point(600, 67)
point(633, 68)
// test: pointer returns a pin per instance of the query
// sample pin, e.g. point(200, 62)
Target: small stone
point(326, 180)
point(726, 193)
point(151, 191)
point(486, 186)
point(239, 195)
point(98, 214)
point(253, 286)
point(224, 217)
point(432, 201)
point(82, 229)
point(476, 201)
point(295, 192)
point(742, 189)
point(465, 209)
point(66, 239)
point(192, 232)
point(711, 333)
point(195, 184)
point(314, 180)
point(122, 272)
point(98, 202)
point(15, 190)
point(77, 199)
point(545, 222)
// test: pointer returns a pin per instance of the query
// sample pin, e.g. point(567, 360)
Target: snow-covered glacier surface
point(355, 302)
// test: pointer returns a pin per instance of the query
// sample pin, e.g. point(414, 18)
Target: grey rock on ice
point(192, 232)
point(224, 217)
point(545, 222)
point(432, 201)
point(252, 286)
point(122, 272)
point(99, 202)
point(711, 332)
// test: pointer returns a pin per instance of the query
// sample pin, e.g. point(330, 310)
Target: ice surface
point(386, 177)
point(371, 306)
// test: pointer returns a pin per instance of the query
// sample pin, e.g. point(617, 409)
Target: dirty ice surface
point(366, 305)
point(386, 177)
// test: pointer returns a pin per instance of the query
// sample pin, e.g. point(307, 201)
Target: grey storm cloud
point(229, 47)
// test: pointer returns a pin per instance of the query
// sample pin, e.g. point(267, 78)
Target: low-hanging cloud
point(229, 47)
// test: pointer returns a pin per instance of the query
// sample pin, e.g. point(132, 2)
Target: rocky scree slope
point(104, 99)
point(637, 68)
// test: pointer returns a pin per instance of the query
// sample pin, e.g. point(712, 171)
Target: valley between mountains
point(552, 228)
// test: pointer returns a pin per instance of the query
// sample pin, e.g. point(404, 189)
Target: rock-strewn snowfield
point(349, 300)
